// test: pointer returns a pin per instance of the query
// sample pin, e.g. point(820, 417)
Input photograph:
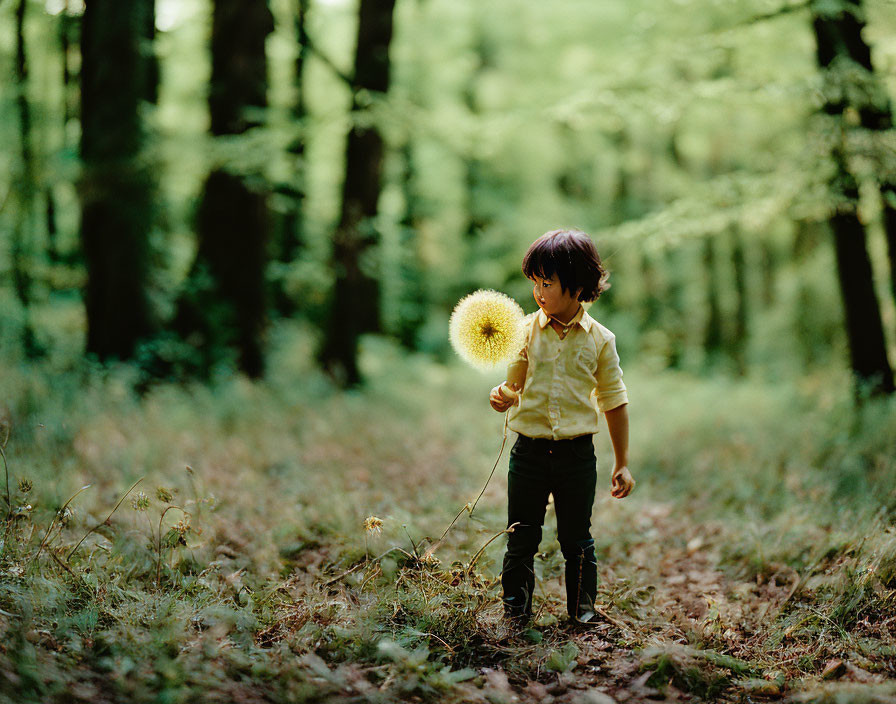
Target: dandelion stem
point(8, 493)
point(459, 514)
point(508, 529)
point(69, 556)
point(53, 522)
point(363, 564)
point(432, 548)
point(159, 560)
point(413, 544)
point(500, 452)
point(63, 565)
point(433, 635)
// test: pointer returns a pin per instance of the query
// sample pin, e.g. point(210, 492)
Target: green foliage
point(758, 544)
point(283, 473)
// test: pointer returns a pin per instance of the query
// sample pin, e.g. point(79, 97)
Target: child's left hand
point(622, 482)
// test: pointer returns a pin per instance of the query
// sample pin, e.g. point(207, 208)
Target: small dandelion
point(164, 494)
point(25, 485)
point(140, 501)
point(66, 515)
point(430, 559)
point(486, 329)
point(179, 531)
point(372, 524)
point(182, 527)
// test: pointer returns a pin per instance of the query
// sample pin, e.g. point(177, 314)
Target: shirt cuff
point(611, 401)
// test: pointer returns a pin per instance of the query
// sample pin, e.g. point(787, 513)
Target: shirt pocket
point(586, 359)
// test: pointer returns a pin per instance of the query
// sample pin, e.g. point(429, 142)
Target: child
point(566, 375)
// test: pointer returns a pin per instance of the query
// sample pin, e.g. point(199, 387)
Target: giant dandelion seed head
point(486, 329)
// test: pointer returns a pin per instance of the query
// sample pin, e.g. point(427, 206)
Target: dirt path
point(677, 626)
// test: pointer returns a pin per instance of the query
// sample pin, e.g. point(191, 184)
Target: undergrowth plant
point(288, 564)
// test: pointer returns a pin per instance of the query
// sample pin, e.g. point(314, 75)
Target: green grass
point(757, 546)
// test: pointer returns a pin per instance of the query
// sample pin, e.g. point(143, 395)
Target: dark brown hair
point(573, 257)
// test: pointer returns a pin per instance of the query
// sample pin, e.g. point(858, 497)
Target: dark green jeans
point(568, 470)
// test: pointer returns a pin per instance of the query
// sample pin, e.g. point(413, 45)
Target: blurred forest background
point(233, 232)
point(178, 175)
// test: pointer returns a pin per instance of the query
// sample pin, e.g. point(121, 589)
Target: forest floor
point(755, 560)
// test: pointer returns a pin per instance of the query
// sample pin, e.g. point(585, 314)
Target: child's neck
point(567, 315)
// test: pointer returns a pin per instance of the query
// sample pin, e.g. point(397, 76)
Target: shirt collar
point(580, 318)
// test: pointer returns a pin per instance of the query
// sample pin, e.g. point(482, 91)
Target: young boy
point(567, 374)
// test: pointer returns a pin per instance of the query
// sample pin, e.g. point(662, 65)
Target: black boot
point(581, 583)
point(518, 573)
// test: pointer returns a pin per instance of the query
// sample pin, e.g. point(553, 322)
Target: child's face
point(552, 299)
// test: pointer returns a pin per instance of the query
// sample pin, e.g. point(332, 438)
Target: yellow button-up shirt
point(569, 381)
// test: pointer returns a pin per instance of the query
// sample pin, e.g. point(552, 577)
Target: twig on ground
point(72, 552)
point(363, 564)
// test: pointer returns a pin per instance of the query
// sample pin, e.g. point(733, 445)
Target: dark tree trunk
point(24, 232)
point(223, 304)
point(840, 36)
point(289, 239)
point(115, 188)
point(768, 266)
point(413, 297)
point(888, 196)
point(839, 44)
point(355, 302)
point(739, 330)
point(52, 228)
point(66, 24)
point(651, 311)
point(239, 63)
point(713, 335)
point(148, 51)
point(67, 28)
point(863, 322)
point(676, 328)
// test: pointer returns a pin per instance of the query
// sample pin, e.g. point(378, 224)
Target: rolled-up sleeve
point(610, 390)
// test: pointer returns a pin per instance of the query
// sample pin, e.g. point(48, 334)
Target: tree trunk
point(148, 51)
point(713, 335)
point(768, 266)
point(115, 188)
point(290, 238)
point(675, 317)
point(840, 37)
point(355, 303)
point(223, 303)
point(863, 322)
point(738, 344)
point(413, 296)
point(651, 309)
point(24, 229)
point(840, 46)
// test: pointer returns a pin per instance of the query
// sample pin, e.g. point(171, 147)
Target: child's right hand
point(499, 400)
